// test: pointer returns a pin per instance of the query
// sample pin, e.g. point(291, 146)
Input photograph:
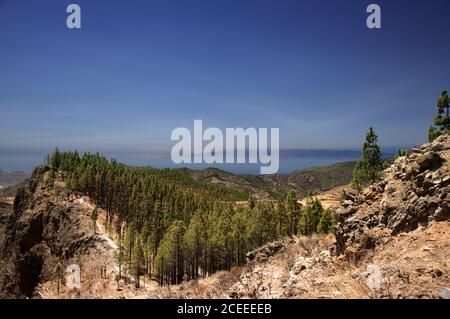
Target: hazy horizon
point(290, 160)
point(137, 70)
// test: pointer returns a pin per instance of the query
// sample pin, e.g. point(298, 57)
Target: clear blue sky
point(138, 69)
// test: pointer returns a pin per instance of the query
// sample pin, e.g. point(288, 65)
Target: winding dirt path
point(100, 228)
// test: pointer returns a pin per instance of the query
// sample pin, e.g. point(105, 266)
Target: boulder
point(301, 264)
point(263, 253)
point(430, 161)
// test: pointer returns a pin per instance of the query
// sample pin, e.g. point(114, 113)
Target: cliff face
point(414, 191)
point(45, 227)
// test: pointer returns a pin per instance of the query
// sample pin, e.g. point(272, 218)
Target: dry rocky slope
point(392, 241)
point(414, 191)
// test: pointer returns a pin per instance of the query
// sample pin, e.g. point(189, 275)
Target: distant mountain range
point(306, 181)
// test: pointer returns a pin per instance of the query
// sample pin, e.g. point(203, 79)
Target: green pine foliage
point(119, 257)
point(326, 223)
point(137, 261)
point(171, 226)
point(442, 119)
point(402, 153)
point(370, 165)
point(293, 212)
point(311, 216)
point(170, 256)
point(94, 217)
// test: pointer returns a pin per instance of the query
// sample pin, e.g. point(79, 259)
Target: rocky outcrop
point(391, 241)
point(413, 191)
point(44, 228)
point(265, 252)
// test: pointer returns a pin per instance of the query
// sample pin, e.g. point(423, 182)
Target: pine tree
point(264, 223)
point(442, 119)
point(119, 256)
point(433, 133)
point(193, 239)
point(50, 178)
point(310, 216)
point(128, 242)
point(170, 258)
point(326, 223)
point(239, 234)
point(55, 159)
point(293, 212)
point(137, 261)
point(281, 219)
point(59, 274)
point(370, 165)
point(94, 217)
point(402, 152)
point(251, 202)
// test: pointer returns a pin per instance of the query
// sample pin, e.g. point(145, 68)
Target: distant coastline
point(290, 160)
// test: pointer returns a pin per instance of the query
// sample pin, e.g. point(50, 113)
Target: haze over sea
point(290, 160)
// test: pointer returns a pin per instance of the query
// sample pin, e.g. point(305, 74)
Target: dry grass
point(215, 286)
point(415, 264)
point(314, 244)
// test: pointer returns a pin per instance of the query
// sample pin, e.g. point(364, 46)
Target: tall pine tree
point(442, 119)
point(370, 165)
point(293, 212)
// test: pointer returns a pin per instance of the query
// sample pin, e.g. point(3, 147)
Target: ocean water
point(26, 162)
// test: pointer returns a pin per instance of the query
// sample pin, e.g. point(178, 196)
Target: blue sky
point(138, 69)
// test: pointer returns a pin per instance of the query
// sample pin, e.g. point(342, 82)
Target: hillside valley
point(305, 182)
point(391, 241)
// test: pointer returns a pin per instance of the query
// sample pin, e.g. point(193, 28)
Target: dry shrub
point(353, 255)
point(314, 244)
point(235, 271)
point(198, 289)
point(225, 280)
point(215, 286)
point(352, 288)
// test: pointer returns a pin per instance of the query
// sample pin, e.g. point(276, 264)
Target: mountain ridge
point(305, 182)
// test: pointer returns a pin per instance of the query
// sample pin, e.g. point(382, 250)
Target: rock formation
point(412, 192)
point(45, 227)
